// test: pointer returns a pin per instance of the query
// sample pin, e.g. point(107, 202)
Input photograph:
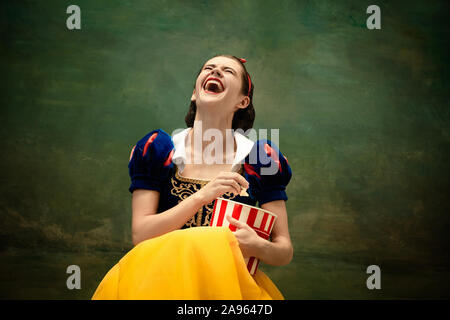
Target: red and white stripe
point(259, 220)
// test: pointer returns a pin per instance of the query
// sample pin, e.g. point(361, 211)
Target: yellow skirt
point(202, 263)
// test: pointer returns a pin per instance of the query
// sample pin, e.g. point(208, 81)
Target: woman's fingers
point(227, 188)
point(230, 182)
point(236, 177)
point(225, 182)
point(238, 224)
point(241, 180)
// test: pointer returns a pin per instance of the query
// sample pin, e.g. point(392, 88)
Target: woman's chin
point(208, 98)
point(214, 105)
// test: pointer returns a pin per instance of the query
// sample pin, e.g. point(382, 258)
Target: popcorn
point(244, 193)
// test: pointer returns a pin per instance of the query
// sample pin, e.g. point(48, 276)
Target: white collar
point(243, 148)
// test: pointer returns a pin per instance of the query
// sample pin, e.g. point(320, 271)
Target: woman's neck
point(209, 137)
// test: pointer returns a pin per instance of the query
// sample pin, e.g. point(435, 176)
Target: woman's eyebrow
point(213, 65)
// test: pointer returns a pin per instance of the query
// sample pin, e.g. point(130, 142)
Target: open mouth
point(213, 85)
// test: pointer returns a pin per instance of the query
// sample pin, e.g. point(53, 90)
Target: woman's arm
point(146, 224)
point(276, 253)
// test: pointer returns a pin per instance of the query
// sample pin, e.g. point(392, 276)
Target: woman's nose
point(216, 71)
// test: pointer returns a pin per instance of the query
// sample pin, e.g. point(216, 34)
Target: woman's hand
point(224, 182)
point(249, 241)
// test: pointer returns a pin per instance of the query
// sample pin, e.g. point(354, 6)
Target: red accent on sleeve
point(131, 154)
point(250, 170)
point(271, 153)
point(149, 142)
point(169, 159)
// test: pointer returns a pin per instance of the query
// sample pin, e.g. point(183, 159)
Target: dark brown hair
point(243, 118)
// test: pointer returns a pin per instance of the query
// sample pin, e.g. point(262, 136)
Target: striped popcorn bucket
point(260, 220)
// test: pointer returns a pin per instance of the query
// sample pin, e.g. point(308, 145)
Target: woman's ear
point(193, 96)
point(243, 103)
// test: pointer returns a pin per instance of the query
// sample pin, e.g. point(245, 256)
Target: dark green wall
point(363, 118)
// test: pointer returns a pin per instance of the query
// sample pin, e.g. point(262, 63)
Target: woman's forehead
point(225, 62)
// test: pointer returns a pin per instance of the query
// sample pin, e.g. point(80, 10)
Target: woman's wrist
point(273, 253)
point(198, 199)
point(261, 247)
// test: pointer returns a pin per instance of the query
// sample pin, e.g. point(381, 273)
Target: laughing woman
point(174, 184)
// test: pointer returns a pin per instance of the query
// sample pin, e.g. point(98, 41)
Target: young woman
point(174, 183)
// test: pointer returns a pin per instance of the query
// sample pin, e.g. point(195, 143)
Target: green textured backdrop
point(363, 118)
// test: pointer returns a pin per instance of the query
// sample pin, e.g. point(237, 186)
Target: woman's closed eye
point(227, 70)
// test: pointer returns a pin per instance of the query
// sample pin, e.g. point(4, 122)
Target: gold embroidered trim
point(190, 180)
point(209, 209)
point(186, 187)
point(199, 217)
point(197, 180)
